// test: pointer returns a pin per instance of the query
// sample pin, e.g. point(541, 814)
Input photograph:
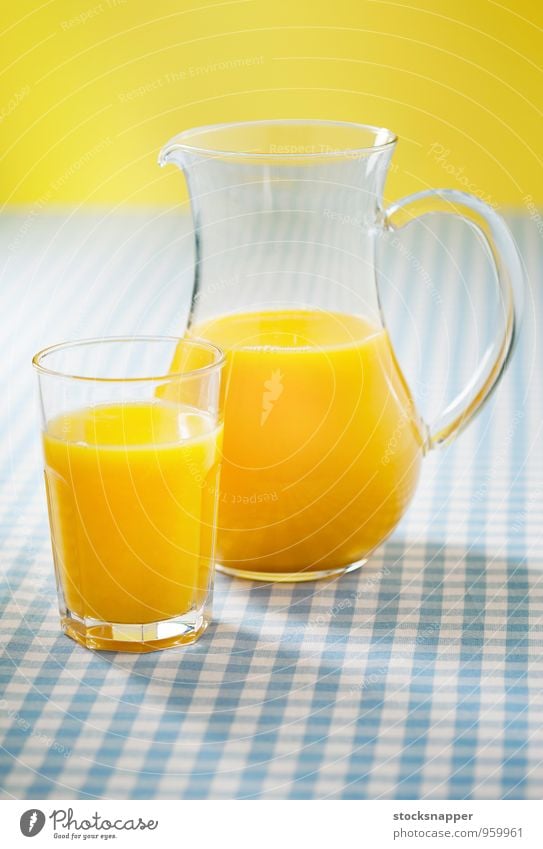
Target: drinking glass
point(131, 457)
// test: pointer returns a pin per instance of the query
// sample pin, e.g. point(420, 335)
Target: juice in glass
point(132, 493)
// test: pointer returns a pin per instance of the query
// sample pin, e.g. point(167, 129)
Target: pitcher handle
point(510, 280)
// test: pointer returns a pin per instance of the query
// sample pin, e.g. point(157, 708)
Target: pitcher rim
point(182, 140)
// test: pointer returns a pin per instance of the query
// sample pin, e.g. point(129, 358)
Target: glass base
point(290, 577)
point(153, 636)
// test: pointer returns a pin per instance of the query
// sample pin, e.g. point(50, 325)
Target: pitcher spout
point(171, 152)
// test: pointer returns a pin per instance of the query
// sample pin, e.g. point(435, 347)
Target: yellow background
point(89, 91)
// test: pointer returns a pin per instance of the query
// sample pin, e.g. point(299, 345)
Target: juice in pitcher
point(322, 444)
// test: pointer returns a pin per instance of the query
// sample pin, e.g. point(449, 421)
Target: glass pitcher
point(322, 441)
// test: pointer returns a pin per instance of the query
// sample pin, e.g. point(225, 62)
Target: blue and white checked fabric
point(418, 677)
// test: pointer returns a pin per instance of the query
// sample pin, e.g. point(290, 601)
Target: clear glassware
point(322, 439)
point(131, 459)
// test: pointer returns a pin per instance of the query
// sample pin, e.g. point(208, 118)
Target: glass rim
point(182, 140)
point(195, 343)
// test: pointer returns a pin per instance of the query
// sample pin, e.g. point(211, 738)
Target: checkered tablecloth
point(419, 676)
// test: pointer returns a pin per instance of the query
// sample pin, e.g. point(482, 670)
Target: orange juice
point(132, 492)
point(322, 444)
